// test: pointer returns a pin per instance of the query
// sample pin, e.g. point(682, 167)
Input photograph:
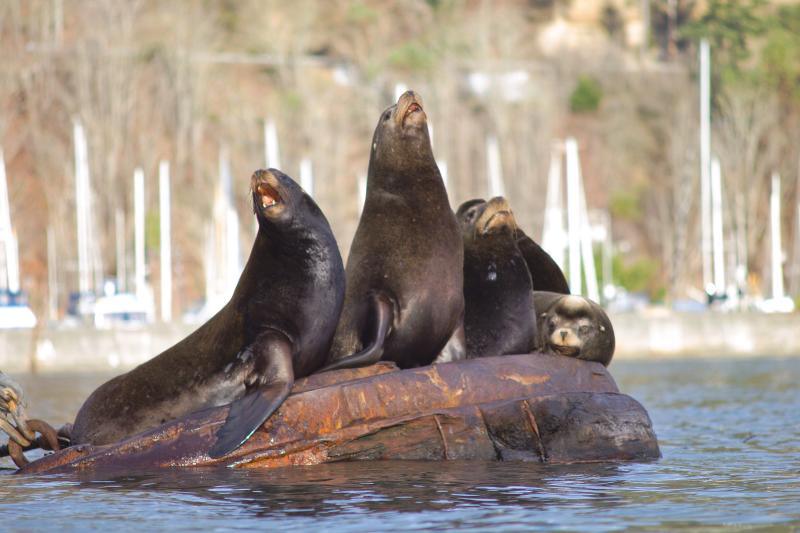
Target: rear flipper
point(384, 316)
point(455, 349)
point(271, 386)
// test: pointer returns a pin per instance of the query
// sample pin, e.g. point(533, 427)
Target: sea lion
point(277, 326)
point(545, 272)
point(404, 300)
point(574, 326)
point(499, 317)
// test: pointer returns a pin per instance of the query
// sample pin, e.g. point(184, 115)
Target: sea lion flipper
point(248, 413)
point(384, 316)
point(455, 349)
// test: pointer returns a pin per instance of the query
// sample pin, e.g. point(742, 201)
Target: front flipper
point(384, 316)
point(270, 387)
point(455, 349)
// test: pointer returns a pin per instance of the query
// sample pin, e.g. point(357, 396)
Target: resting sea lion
point(499, 317)
point(573, 326)
point(545, 272)
point(277, 326)
point(404, 298)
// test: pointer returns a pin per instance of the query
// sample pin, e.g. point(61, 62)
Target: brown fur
point(293, 285)
point(407, 247)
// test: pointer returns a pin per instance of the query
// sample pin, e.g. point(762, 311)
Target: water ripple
point(729, 432)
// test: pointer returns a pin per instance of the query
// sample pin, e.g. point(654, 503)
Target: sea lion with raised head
point(277, 326)
point(404, 300)
point(573, 326)
point(545, 272)
point(499, 317)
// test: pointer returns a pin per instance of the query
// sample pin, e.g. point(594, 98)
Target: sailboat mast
point(705, 160)
point(166, 243)
point(775, 236)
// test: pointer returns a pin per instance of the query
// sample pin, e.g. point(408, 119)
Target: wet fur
point(499, 316)
point(557, 312)
point(407, 247)
point(293, 283)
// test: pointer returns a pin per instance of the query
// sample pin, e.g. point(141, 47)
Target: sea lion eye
point(386, 116)
point(584, 330)
point(551, 325)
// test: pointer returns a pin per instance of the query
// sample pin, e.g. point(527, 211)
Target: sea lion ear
point(466, 206)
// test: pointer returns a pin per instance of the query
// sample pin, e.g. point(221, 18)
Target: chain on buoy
point(47, 440)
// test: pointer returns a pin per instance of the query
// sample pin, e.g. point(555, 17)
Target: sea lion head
point(401, 136)
point(275, 196)
point(576, 327)
point(479, 218)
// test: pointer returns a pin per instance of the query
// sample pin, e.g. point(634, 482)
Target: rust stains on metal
point(521, 407)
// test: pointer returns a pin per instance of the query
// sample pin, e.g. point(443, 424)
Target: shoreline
point(656, 334)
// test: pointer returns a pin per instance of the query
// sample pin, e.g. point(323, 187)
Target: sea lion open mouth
point(413, 108)
point(269, 196)
point(409, 110)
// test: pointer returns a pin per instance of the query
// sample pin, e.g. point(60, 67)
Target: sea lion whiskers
point(500, 219)
point(496, 215)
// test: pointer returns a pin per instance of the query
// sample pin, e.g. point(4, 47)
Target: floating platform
point(530, 407)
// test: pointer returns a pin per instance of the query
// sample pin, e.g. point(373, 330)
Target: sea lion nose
point(409, 93)
point(563, 335)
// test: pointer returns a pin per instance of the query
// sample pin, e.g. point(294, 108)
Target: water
point(729, 431)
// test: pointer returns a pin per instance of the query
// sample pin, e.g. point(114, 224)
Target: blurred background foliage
point(184, 79)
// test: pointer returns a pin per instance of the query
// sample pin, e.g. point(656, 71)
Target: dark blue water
point(729, 431)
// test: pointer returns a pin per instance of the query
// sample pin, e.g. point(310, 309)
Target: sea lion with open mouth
point(277, 326)
point(404, 300)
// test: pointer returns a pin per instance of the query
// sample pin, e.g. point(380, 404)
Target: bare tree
point(748, 140)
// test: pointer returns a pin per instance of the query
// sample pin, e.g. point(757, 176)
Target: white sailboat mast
point(717, 228)
point(573, 216)
point(82, 208)
point(6, 238)
point(271, 149)
point(138, 235)
point(307, 176)
point(775, 236)
point(494, 167)
point(705, 161)
point(165, 239)
point(553, 228)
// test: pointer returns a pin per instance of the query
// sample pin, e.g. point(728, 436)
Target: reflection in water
point(729, 432)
